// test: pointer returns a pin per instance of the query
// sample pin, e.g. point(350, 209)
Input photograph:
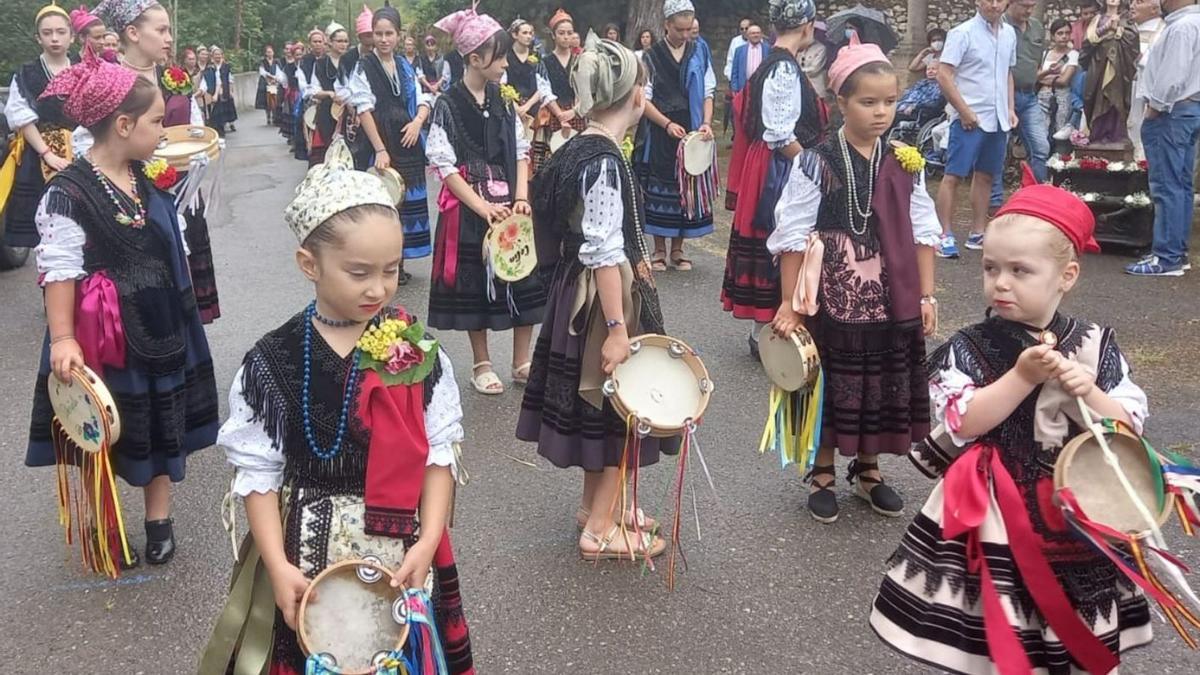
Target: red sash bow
point(968, 486)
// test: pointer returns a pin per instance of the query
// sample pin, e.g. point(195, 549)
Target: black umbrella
point(871, 24)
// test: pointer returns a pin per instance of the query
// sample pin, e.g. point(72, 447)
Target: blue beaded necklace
point(351, 385)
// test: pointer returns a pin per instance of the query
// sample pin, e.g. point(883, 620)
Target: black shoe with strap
point(883, 499)
point(822, 504)
point(160, 541)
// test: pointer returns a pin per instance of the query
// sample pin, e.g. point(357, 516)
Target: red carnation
point(1143, 165)
point(167, 179)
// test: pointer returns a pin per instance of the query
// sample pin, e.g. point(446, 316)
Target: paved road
point(767, 590)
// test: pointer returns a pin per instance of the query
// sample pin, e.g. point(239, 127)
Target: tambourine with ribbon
point(509, 249)
point(392, 180)
point(86, 424)
point(180, 143)
point(661, 391)
point(697, 175)
point(796, 400)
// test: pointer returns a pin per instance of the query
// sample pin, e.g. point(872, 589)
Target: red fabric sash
point(98, 327)
point(741, 142)
point(445, 253)
point(755, 166)
point(967, 501)
point(396, 456)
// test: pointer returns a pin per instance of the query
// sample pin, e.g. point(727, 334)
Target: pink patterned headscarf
point(82, 19)
point(850, 58)
point(363, 23)
point(91, 89)
point(468, 29)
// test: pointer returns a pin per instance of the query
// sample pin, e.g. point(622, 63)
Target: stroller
point(921, 122)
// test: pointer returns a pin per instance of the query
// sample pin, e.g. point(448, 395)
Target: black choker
point(333, 323)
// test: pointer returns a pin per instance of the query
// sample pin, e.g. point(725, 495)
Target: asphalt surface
point(767, 589)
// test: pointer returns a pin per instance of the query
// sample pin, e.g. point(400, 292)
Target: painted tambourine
point(392, 180)
point(351, 618)
point(85, 409)
point(792, 363)
point(559, 138)
point(180, 143)
point(663, 384)
point(697, 153)
point(511, 250)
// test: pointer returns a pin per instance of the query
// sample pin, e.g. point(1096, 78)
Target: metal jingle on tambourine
point(380, 659)
point(400, 610)
point(643, 428)
point(635, 346)
point(1048, 338)
point(327, 660)
point(675, 350)
point(609, 387)
point(705, 385)
point(368, 574)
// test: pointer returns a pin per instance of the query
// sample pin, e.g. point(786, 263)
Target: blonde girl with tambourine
point(992, 534)
point(119, 294)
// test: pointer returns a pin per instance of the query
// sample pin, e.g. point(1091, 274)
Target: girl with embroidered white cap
point(347, 419)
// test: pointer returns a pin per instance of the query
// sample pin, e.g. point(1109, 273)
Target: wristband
point(61, 338)
point(45, 152)
point(379, 150)
point(613, 323)
point(928, 300)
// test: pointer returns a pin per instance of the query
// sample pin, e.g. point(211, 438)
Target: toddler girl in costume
point(875, 230)
point(970, 588)
point(346, 419)
point(113, 263)
point(478, 148)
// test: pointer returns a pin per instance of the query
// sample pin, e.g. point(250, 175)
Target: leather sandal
point(646, 523)
point(520, 374)
point(883, 499)
point(650, 546)
point(160, 551)
point(487, 383)
point(822, 504)
point(658, 261)
point(679, 262)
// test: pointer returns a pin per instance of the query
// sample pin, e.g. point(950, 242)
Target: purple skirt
point(570, 431)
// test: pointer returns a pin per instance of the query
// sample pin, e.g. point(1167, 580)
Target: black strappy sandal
point(822, 504)
point(883, 499)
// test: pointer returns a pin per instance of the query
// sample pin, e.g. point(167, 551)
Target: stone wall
point(943, 14)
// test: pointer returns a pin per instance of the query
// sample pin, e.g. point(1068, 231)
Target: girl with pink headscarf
point(855, 231)
point(118, 293)
point(477, 147)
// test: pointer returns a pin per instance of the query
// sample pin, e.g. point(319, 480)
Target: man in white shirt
point(975, 76)
point(1171, 90)
point(737, 41)
point(1147, 14)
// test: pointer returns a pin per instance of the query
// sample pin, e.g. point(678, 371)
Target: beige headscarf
point(602, 74)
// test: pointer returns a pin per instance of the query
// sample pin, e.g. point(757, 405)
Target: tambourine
point(792, 363)
point(558, 139)
point(392, 180)
point(310, 117)
point(697, 153)
point(351, 618)
point(85, 409)
point(272, 89)
point(663, 384)
point(510, 248)
point(180, 143)
point(1082, 467)
point(336, 109)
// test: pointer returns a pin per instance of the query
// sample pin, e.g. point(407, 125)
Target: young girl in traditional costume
point(526, 72)
point(432, 68)
point(270, 81)
point(989, 576)
point(43, 145)
point(679, 100)
point(477, 148)
point(291, 96)
point(867, 205)
point(777, 117)
point(113, 262)
point(218, 84)
point(145, 30)
point(589, 217)
point(322, 87)
point(88, 29)
point(559, 102)
point(346, 420)
point(392, 111)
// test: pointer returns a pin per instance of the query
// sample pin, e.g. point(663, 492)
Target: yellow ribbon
point(8, 171)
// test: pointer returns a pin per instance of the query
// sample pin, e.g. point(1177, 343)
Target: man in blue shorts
point(976, 79)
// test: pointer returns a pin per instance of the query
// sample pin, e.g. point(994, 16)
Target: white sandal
point(649, 546)
point(487, 383)
point(520, 373)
